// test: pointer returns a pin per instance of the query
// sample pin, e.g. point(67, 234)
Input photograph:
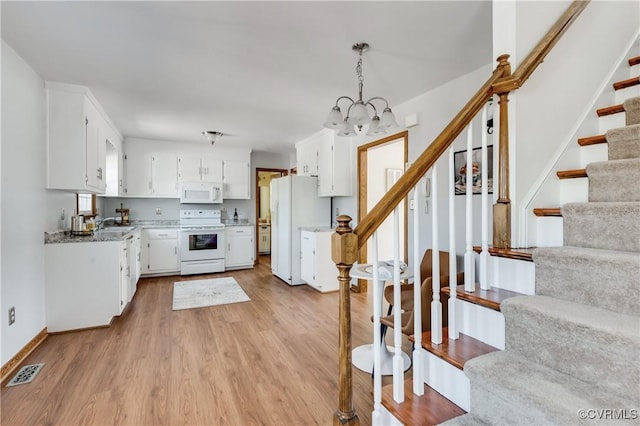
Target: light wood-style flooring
point(270, 361)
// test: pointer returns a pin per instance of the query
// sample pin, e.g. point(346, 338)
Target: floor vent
point(25, 375)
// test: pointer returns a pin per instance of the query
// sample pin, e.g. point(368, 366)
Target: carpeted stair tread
point(464, 420)
point(632, 110)
point(507, 388)
point(614, 180)
point(624, 142)
point(604, 278)
point(572, 338)
point(490, 299)
point(608, 226)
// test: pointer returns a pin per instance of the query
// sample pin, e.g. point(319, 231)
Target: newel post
point(502, 208)
point(344, 252)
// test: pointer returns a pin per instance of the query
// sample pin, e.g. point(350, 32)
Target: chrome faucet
point(100, 222)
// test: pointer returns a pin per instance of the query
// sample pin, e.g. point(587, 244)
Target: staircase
point(571, 351)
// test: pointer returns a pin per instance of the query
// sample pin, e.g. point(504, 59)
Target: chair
point(426, 289)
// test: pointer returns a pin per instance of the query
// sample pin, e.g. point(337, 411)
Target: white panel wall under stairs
point(387, 419)
point(626, 93)
point(512, 274)
point(481, 323)
point(549, 231)
point(448, 380)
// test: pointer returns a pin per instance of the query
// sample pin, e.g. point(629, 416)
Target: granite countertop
point(239, 223)
point(109, 233)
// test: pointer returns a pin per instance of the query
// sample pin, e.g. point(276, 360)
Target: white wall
point(546, 112)
point(28, 210)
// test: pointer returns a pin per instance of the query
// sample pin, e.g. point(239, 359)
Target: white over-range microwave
point(201, 193)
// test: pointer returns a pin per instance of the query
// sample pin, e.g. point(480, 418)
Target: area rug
point(211, 292)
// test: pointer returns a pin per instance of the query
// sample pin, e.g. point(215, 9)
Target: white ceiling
point(265, 72)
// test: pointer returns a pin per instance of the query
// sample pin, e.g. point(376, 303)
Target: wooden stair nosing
point(614, 109)
point(572, 174)
point(455, 352)
point(634, 61)
point(548, 211)
point(592, 140)
point(509, 253)
point(490, 299)
point(429, 409)
point(630, 82)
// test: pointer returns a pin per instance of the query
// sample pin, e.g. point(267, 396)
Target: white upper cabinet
point(164, 175)
point(152, 175)
point(76, 130)
point(199, 169)
point(307, 158)
point(328, 157)
point(334, 167)
point(236, 179)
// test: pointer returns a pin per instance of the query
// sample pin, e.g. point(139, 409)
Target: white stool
point(362, 356)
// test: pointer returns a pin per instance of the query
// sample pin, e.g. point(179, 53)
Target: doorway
point(263, 212)
point(380, 165)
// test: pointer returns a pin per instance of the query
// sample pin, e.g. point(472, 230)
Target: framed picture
point(460, 172)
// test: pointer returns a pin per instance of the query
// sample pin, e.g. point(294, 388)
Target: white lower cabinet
point(134, 247)
point(264, 239)
point(240, 251)
point(162, 251)
point(316, 267)
point(83, 284)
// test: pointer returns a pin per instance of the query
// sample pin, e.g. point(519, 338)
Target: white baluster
point(418, 387)
point(484, 254)
point(469, 259)
point(436, 304)
point(376, 416)
point(453, 267)
point(398, 361)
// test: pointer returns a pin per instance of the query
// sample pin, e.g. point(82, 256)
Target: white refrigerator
point(294, 204)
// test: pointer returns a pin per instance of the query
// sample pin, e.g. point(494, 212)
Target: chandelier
point(357, 113)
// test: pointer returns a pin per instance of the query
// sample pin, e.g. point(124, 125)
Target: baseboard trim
point(17, 359)
point(75, 330)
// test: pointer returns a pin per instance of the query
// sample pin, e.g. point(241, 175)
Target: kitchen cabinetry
point(334, 167)
point(264, 239)
point(125, 275)
point(240, 248)
point(328, 157)
point(76, 131)
point(83, 284)
point(114, 164)
point(236, 179)
point(153, 175)
point(161, 254)
point(316, 266)
point(134, 258)
point(199, 169)
point(307, 158)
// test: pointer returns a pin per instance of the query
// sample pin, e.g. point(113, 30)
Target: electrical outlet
point(12, 315)
point(337, 212)
point(223, 210)
point(158, 210)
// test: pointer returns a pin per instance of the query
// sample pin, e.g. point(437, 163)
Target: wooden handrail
point(540, 51)
point(427, 159)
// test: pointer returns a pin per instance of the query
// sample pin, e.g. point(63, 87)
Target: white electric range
point(202, 246)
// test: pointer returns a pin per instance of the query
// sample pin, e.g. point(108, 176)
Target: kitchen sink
point(125, 229)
